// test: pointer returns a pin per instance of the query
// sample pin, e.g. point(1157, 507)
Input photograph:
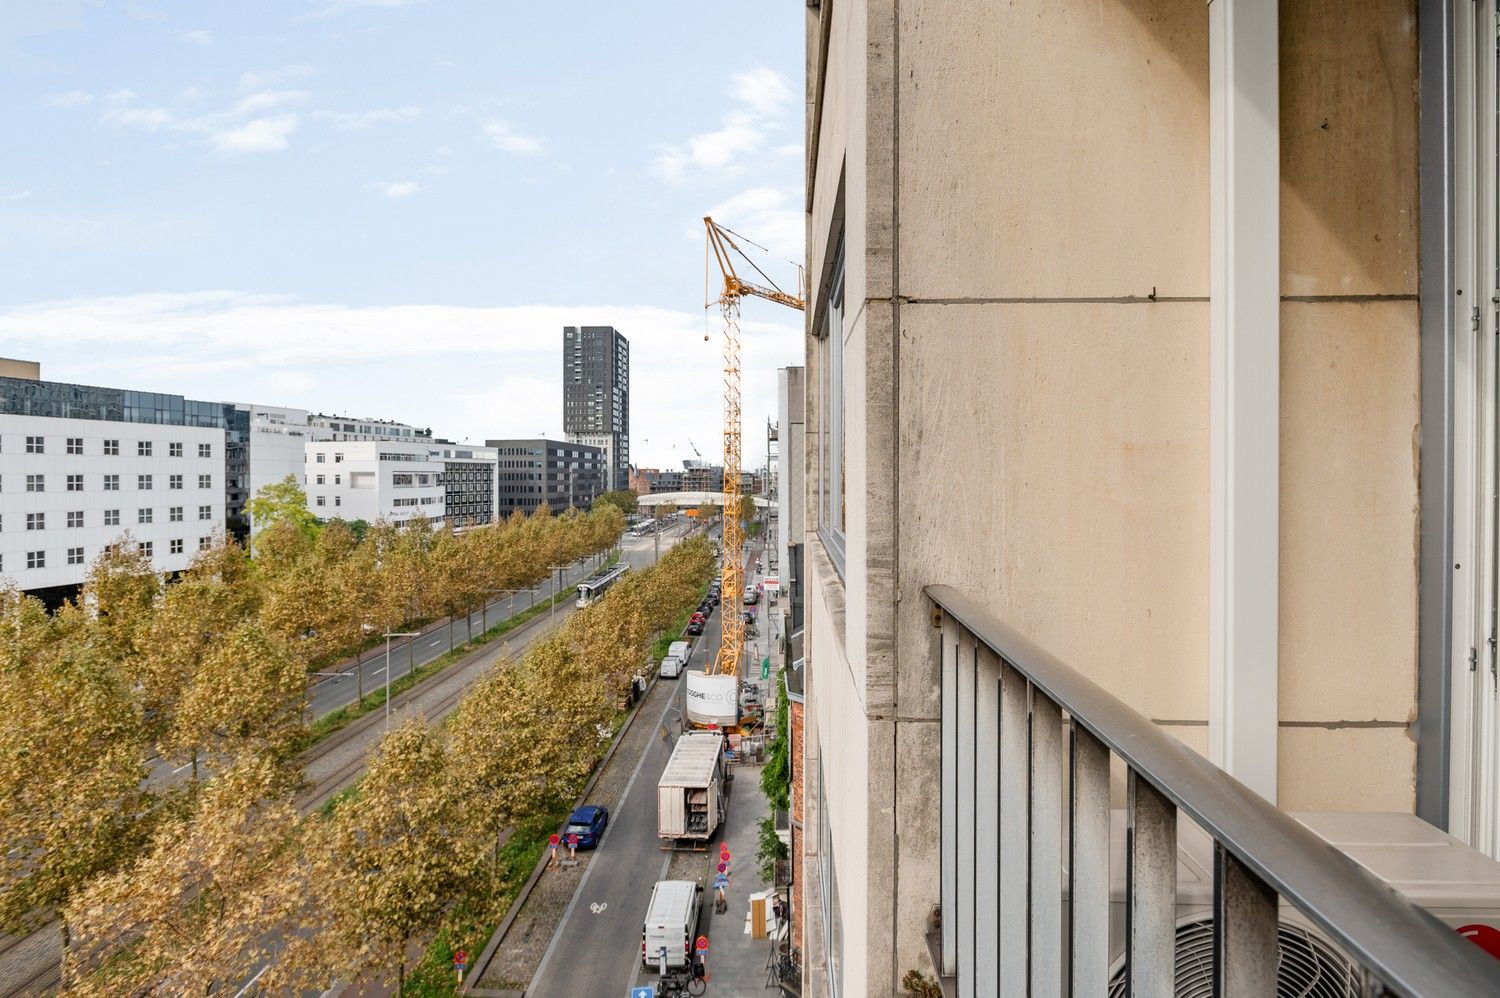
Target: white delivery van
point(682, 649)
point(671, 667)
point(671, 923)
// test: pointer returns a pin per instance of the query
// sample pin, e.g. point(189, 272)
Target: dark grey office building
point(468, 485)
point(596, 396)
point(559, 473)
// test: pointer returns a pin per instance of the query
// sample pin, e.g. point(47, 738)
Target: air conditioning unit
point(1458, 885)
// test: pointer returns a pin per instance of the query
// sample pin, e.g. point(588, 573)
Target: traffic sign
point(702, 945)
point(721, 881)
point(765, 667)
point(649, 991)
point(572, 841)
point(460, 959)
point(553, 839)
point(724, 849)
point(723, 866)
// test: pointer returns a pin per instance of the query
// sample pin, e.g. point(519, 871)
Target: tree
point(385, 866)
point(202, 906)
point(282, 502)
point(623, 499)
point(747, 509)
point(72, 803)
point(247, 700)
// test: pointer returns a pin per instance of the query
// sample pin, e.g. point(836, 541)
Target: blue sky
point(391, 207)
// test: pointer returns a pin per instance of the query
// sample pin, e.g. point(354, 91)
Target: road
point(28, 964)
point(605, 916)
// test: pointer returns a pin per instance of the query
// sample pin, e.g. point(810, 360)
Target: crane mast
point(724, 249)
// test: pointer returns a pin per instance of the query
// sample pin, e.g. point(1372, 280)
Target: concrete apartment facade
point(596, 396)
point(1152, 352)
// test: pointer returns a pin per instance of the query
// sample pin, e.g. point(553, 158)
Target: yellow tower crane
point(721, 243)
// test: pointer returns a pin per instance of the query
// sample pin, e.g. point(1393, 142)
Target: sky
point(390, 208)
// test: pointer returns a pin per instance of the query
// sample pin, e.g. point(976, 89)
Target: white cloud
point(120, 97)
point(499, 366)
point(260, 135)
point(73, 98)
point(336, 7)
point(268, 100)
point(396, 188)
point(762, 99)
point(353, 121)
point(503, 137)
point(201, 37)
point(260, 79)
point(775, 219)
point(150, 119)
point(13, 196)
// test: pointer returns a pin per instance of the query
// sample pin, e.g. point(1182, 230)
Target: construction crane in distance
point(725, 250)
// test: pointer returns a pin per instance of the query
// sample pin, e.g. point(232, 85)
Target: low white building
point(375, 479)
point(277, 445)
point(82, 466)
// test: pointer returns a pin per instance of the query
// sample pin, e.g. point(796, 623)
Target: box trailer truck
point(690, 794)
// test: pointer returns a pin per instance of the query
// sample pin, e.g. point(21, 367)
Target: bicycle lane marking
point(583, 882)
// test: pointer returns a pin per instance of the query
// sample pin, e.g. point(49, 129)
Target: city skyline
point(289, 205)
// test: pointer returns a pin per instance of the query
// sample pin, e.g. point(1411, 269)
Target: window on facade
point(111, 448)
point(36, 483)
point(174, 514)
point(75, 518)
point(205, 512)
point(111, 518)
point(174, 546)
point(111, 483)
point(75, 445)
point(75, 483)
point(174, 481)
point(320, 479)
point(831, 419)
point(338, 500)
point(36, 521)
point(143, 482)
point(145, 515)
point(146, 548)
point(36, 559)
point(320, 501)
point(320, 457)
point(204, 543)
point(338, 479)
point(75, 556)
point(174, 450)
point(205, 481)
point(143, 448)
point(205, 450)
point(833, 919)
point(338, 458)
point(35, 445)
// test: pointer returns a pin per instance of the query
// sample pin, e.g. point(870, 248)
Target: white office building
point(375, 479)
point(347, 428)
point(277, 440)
point(82, 468)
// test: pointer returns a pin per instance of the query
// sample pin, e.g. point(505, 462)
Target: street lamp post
point(388, 636)
point(556, 589)
point(485, 613)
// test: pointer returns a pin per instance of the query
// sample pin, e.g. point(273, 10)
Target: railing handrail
point(1397, 940)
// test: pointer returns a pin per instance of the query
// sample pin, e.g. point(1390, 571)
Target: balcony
point(1221, 893)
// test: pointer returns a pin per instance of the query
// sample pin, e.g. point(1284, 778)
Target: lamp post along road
point(556, 589)
point(393, 634)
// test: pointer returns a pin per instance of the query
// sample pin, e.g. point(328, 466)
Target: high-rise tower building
point(596, 396)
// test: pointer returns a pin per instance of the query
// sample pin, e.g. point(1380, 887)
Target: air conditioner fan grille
point(1309, 966)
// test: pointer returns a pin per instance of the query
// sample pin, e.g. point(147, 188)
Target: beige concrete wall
point(28, 369)
point(1026, 375)
point(1350, 403)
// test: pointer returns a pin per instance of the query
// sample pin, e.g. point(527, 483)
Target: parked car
point(695, 626)
point(752, 596)
point(588, 823)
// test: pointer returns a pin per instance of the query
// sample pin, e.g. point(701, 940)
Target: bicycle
point(676, 983)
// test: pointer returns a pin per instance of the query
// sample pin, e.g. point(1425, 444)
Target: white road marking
point(251, 983)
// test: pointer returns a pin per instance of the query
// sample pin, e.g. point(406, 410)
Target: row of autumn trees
point(116, 709)
point(245, 882)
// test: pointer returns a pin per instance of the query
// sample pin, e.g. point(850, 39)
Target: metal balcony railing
point(1027, 749)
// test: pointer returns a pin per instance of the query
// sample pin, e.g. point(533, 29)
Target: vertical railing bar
point(967, 661)
point(948, 838)
point(1015, 847)
point(987, 825)
point(1245, 946)
point(1151, 889)
point(1088, 866)
point(1045, 837)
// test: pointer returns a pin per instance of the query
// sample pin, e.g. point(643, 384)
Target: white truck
point(690, 795)
point(671, 925)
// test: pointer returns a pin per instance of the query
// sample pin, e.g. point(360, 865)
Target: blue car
point(588, 823)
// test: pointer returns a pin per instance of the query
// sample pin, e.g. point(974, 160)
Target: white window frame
point(831, 499)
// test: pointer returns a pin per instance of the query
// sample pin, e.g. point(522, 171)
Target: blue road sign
point(722, 880)
point(649, 991)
